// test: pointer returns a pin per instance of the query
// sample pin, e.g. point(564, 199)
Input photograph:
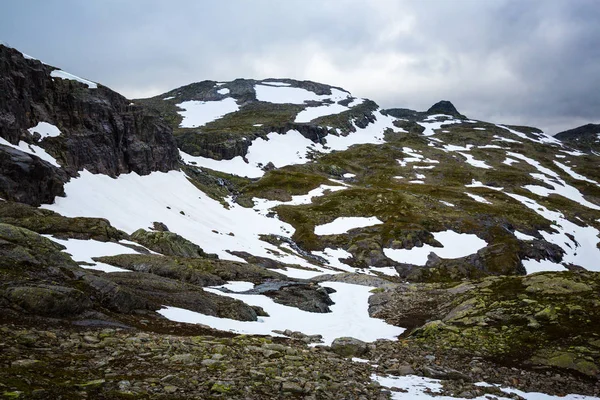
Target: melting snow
point(575, 153)
point(84, 250)
point(419, 388)
point(476, 163)
point(333, 256)
point(475, 184)
point(503, 139)
point(199, 113)
point(344, 224)
point(223, 91)
point(523, 236)
point(172, 199)
point(311, 113)
point(57, 73)
point(290, 148)
point(574, 174)
point(455, 245)
point(348, 317)
point(560, 188)
point(292, 95)
point(276, 83)
point(510, 161)
point(31, 149)
point(542, 137)
point(580, 251)
point(430, 127)
point(478, 198)
point(45, 130)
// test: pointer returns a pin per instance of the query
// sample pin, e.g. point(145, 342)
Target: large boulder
point(349, 347)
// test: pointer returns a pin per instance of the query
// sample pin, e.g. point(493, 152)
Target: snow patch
point(57, 73)
point(454, 245)
point(198, 113)
point(478, 199)
point(349, 316)
point(344, 224)
point(31, 149)
point(85, 250)
point(45, 130)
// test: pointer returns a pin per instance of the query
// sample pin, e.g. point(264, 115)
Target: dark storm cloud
point(522, 62)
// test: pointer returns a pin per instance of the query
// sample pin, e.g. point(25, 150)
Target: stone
point(349, 347)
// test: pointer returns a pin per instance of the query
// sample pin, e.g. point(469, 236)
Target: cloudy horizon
point(531, 63)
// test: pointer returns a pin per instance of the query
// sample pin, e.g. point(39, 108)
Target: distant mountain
point(442, 107)
point(273, 238)
point(585, 138)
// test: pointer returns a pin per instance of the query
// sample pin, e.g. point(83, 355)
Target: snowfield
point(349, 316)
point(278, 94)
point(455, 245)
point(344, 224)
point(170, 198)
point(199, 113)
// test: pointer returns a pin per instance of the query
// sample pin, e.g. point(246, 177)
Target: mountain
point(280, 238)
point(585, 138)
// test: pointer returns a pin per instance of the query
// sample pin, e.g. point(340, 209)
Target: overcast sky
point(510, 61)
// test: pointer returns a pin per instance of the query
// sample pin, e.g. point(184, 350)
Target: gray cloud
point(509, 61)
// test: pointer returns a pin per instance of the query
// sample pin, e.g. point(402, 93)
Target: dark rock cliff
point(101, 131)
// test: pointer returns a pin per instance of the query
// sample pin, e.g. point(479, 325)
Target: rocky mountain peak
point(445, 107)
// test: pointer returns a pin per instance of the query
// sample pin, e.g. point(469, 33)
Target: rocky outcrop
point(585, 138)
point(193, 270)
point(28, 179)
point(169, 244)
point(441, 107)
point(526, 321)
point(306, 297)
point(446, 108)
point(101, 131)
point(48, 222)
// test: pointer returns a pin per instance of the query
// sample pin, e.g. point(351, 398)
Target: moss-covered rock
point(168, 243)
point(55, 301)
point(517, 320)
point(200, 271)
point(48, 222)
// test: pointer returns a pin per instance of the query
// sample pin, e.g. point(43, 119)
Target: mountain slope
point(173, 227)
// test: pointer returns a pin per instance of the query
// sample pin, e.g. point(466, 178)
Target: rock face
point(28, 179)
point(101, 131)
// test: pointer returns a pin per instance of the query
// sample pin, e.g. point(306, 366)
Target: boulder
point(349, 347)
